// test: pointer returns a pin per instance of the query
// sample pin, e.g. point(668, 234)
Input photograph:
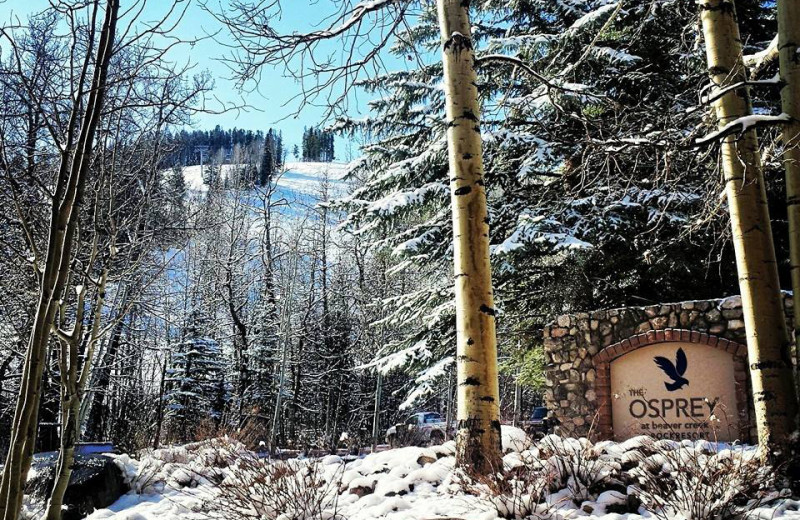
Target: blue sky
point(271, 100)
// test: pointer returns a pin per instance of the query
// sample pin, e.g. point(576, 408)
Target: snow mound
point(556, 478)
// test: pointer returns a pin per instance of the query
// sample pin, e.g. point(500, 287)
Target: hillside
point(300, 178)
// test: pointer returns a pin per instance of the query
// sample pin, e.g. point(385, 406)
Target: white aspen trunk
point(767, 339)
point(478, 437)
point(788, 47)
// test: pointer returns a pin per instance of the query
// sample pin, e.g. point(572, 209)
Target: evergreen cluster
point(185, 145)
point(318, 145)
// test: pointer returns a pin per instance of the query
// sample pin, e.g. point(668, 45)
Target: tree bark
point(376, 412)
point(767, 339)
point(478, 437)
point(788, 46)
point(73, 390)
point(74, 168)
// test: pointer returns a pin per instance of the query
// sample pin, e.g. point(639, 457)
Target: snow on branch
point(516, 62)
point(774, 81)
point(764, 57)
point(357, 15)
point(742, 125)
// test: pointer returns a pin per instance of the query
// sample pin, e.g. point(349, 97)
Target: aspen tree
point(767, 339)
point(73, 389)
point(478, 432)
point(70, 183)
point(788, 46)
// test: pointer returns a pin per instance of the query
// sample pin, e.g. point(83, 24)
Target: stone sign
point(603, 379)
point(676, 390)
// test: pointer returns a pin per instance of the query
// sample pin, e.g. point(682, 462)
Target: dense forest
point(164, 284)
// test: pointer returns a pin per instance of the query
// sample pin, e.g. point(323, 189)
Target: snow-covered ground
point(554, 478)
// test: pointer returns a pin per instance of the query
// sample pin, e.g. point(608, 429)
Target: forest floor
point(553, 478)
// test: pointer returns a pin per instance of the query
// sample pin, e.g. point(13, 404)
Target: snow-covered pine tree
point(195, 380)
point(264, 347)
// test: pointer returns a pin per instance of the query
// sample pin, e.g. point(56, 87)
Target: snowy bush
point(180, 466)
point(518, 491)
point(557, 478)
point(576, 466)
point(285, 490)
point(700, 480)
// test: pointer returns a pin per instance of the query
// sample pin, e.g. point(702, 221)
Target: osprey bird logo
point(674, 372)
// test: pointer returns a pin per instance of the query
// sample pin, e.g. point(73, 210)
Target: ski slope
point(298, 178)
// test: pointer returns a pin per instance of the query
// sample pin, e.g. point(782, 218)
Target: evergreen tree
point(268, 160)
point(195, 379)
point(264, 350)
point(176, 196)
point(279, 153)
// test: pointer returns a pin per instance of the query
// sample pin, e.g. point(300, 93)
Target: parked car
point(539, 423)
point(419, 429)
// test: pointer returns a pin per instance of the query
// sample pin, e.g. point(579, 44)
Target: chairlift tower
point(202, 150)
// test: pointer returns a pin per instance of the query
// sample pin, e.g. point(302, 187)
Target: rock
point(717, 329)
point(732, 302)
point(735, 324)
point(361, 491)
point(659, 322)
point(96, 483)
point(673, 320)
point(732, 314)
point(427, 457)
point(563, 321)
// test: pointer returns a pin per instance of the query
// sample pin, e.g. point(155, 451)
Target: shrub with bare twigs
point(701, 481)
point(265, 489)
point(517, 491)
point(576, 465)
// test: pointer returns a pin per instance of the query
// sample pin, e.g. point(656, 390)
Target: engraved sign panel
point(675, 391)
